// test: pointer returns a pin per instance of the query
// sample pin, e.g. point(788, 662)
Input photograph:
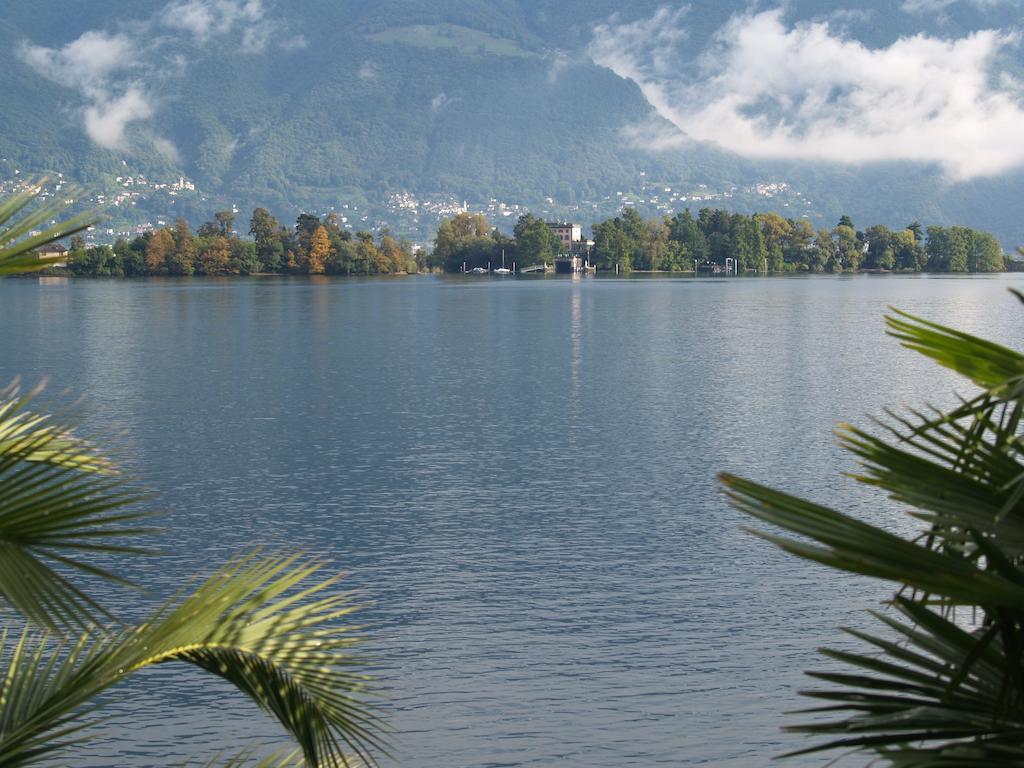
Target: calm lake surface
point(519, 477)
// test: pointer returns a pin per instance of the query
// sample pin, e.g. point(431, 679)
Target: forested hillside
point(396, 112)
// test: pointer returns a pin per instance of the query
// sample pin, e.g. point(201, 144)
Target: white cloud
point(106, 119)
point(205, 18)
point(117, 79)
point(83, 63)
point(89, 65)
point(643, 51)
point(767, 90)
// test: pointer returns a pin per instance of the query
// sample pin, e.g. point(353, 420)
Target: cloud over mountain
point(118, 79)
point(766, 89)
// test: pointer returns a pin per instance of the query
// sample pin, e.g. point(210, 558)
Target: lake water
point(519, 477)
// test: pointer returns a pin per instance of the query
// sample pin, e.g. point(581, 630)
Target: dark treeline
point(761, 241)
point(312, 247)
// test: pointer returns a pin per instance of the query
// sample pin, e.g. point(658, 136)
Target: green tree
point(266, 231)
point(848, 248)
point(613, 249)
point(685, 230)
point(942, 685)
point(948, 249)
point(749, 242)
point(880, 253)
point(226, 222)
point(776, 232)
point(798, 243)
point(824, 255)
point(986, 253)
point(132, 256)
point(535, 242)
point(908, 251)
point(244, 260)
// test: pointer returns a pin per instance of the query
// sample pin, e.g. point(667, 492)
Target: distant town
point(135, 204)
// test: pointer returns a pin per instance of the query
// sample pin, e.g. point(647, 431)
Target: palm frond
point(989, 365)
point(932, 692)
point(60, 506)
point(264, 623)
point(857, 547)
point(20, 230)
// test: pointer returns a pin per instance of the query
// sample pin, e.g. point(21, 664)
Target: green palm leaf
point(932, 691)
point(262, 623)
point(60, 507)
point(20, 230)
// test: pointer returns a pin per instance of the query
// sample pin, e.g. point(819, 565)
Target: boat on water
point(478, 271)
point(502, 270)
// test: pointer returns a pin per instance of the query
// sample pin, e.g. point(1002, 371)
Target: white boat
point(478, 271)
point(502, 270)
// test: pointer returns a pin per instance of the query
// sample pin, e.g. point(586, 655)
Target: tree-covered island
point(760, 242)
point(683, 242)
point(314, 246)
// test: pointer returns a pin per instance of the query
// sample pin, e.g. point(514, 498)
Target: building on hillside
point(53, 251)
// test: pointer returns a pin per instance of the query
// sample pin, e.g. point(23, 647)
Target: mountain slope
point(324, 104)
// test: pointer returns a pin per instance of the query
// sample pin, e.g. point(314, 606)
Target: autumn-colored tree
point(215, 257)
point(319, 249)
point(183, 257)
point(470, 225)
point(158, 251)
point(392, 257)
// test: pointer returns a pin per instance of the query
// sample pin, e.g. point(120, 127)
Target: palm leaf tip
point(278, 631)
